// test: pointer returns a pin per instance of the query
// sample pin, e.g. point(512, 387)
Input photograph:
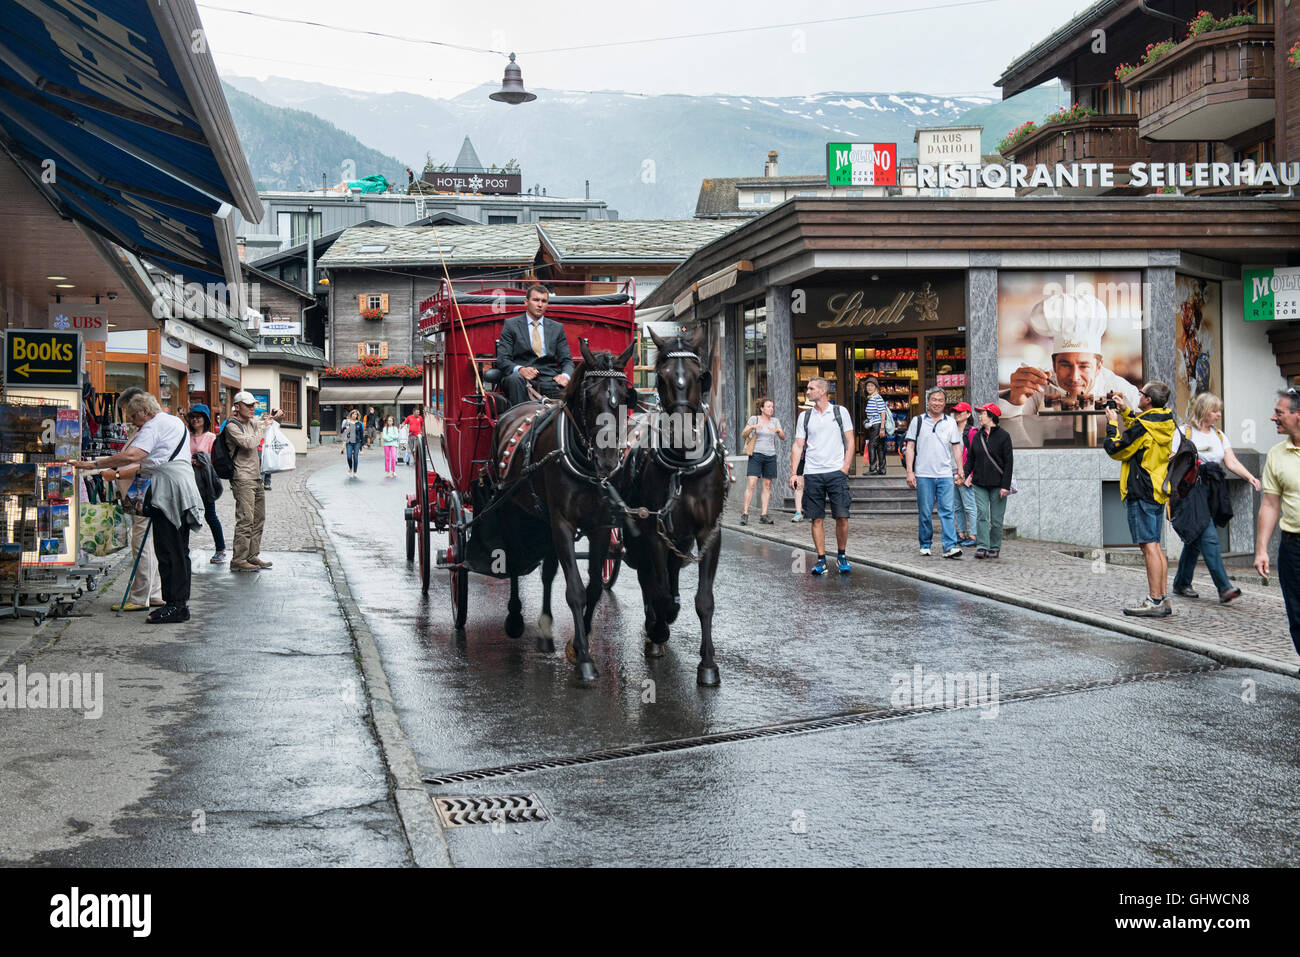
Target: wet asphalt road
point(1139, 768)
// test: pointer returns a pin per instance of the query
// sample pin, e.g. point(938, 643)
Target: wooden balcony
point(1107, 138)
point(1212, 87)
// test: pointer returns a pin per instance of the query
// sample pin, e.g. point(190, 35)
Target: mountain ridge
point(645, 155)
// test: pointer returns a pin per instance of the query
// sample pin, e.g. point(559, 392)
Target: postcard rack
point(41, 570)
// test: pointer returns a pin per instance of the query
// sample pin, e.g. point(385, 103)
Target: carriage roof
point(481, 302)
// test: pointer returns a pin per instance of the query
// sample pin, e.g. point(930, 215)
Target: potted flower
point(372, 313)
point(313, 431)
point(1293, 55)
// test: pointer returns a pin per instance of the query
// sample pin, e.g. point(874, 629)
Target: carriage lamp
point(512, 86)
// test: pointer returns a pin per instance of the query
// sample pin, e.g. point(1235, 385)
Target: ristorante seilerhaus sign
point(1076, 175)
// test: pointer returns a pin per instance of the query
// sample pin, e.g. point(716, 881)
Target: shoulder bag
point(1014, 489)
point(136, 499)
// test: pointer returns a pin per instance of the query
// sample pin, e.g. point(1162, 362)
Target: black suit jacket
point(515, 348)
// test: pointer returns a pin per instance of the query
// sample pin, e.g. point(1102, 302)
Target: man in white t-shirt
point(826, 432)
point(933, 455)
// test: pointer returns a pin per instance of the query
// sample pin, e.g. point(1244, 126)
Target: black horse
point(678, 474)
point(565, 450)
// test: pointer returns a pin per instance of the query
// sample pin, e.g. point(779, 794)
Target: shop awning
point(357, 393)
point(120, 122)
point(723, 279)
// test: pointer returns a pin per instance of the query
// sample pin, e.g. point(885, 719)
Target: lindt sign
point(495, 184)
point(91, 321)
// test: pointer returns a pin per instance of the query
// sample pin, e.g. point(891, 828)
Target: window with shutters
point(373, 305)
point(372, 349)
point(290, 389)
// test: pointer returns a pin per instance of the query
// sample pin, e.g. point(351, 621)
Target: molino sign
point(90, 321)
point(1271, 293)
point(862, 164)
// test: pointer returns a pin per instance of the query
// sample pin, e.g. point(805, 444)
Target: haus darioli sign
point(1076, 175)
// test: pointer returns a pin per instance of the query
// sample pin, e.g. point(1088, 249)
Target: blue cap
point(201, 409)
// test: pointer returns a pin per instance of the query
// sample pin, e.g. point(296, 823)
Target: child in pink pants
point(391, 438)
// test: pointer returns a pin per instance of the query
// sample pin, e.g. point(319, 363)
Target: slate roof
point(468, 159)
point(629, 240)
point(418, 246)
point(300, 353)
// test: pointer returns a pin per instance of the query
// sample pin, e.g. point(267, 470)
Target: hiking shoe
point(260, 562)
point(925, 550)
point(1229, 595)
point(798, 517)
point(844, 565)
point(766, 520)
point(244, 567)
point(220, 558)
point(744, 518)
point(1186, 592)
point(953, 552)
point(981, 553)
point(1149, 608)
point(994, 552)
point(820, 567)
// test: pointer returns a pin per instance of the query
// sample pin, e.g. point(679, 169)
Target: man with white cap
point(1076, 320)
point(243, 434)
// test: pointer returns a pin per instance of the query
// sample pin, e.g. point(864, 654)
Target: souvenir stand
point(41, 570)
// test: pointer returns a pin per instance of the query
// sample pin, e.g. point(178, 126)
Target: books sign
point(35, 357)
point(862, 164)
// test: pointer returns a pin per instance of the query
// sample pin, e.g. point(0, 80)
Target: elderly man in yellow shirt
point(1281, 488)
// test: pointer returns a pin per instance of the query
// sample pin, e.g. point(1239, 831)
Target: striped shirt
point(875, 410)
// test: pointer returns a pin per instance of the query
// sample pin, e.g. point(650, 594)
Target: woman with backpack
point(201, 439)
point(989, 478)
point(1208, 499)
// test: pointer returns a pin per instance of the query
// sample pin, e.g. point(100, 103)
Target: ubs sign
point(893, 304)
point(494, 184)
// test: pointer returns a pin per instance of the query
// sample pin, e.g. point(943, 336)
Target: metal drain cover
point(490, 809)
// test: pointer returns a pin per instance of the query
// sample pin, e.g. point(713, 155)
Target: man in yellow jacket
point(1144, 448)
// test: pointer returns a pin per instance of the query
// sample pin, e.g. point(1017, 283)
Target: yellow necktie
point(538, 348)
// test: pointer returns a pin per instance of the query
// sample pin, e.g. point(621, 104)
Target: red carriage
point(455, 468)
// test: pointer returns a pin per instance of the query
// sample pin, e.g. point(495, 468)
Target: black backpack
point(223, 463)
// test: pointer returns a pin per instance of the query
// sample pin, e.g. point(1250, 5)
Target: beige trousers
point(147, 586)
point(250, 514)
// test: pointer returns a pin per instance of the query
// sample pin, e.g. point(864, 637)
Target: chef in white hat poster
point(1066, 341)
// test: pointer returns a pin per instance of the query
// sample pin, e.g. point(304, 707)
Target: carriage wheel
point(613, 560)
point(410, 540)
point(456, 537)
point(423, 518)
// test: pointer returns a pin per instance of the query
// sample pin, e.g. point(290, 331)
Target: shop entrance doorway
point(905, 365)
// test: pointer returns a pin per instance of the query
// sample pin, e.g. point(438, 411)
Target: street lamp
point(512, 86)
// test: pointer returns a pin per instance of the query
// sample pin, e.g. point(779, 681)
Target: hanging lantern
point(512, 86)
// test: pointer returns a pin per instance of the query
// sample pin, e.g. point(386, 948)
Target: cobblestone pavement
point(1046, 574)
point(290, 513)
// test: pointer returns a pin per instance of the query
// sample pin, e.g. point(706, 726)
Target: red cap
point(992, 409)
point(962, 407)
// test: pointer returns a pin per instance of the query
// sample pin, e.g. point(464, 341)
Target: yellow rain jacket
point(1143, 447)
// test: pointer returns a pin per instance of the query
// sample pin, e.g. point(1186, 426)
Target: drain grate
point(469, 810)
point(828, 723)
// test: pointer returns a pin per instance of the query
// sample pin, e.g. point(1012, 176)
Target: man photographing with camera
point(243, 435)
point(1144, 447)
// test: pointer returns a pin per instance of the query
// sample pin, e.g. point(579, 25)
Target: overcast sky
point(951, 47)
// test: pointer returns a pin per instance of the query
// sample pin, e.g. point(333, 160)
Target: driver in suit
point(533, 350)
